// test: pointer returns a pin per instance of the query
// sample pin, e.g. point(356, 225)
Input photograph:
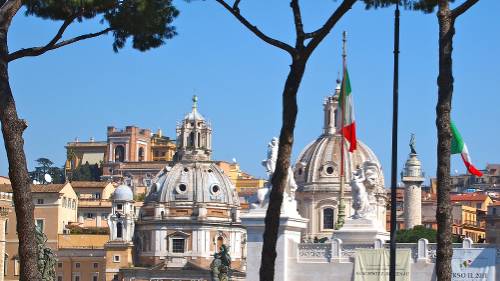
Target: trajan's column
point(412, 177)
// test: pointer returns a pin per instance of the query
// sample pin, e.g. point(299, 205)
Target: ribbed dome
point(319, 162)
point(194, 182)
point(123, 193)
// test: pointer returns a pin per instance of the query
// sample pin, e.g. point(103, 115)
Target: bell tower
point(194, 136)
point(330, 111)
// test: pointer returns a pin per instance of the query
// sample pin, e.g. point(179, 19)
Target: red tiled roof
point(36, 188)
point(89, 184)
point(469, 197)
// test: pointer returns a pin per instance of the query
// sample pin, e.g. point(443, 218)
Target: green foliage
point(146, 22)
point(74, 229)
point(45, 166)
point(139, 197)
point(87, 172)
point(426, 6)
point(419, 231)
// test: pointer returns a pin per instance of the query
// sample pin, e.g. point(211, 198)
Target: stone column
point(412, 178)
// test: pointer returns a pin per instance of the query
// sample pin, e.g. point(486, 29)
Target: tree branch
point(299, 26)
point(463, 8)
point(320, 34)
point(36, 51)
point(235, 5)
point(255, 30)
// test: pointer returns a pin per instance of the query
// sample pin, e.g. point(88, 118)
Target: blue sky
point(78, 90)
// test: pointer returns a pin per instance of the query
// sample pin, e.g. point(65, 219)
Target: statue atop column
point(412, 144)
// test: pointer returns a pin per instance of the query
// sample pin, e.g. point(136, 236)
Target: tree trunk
point(279, 180)
point(443, 109)
point(12, 130)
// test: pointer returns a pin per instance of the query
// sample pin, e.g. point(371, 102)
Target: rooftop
point(36, 188)
point(82, 241)
point(89, 184)
point(469, 197)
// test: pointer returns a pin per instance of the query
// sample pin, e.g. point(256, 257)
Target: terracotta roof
point(89, 184)
point(82, 241)
point(469, 197)
point(496, 203)
point(37, 188)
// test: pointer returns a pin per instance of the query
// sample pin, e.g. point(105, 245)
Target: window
point(39, 201)
point(17, 266)
point(95, 265)
point(119, 207)
point(6, 226)
point(104, 216)
point(116, 258)
point(119, 153)
point(39, 225)
point(328, 218)
point(5, 263)
point(178, 245)
point(478, 205)
point(59, 278)
point(119, 230)
point(77, 265)
point(94, 278)
point(64, 202)
point(76, 278)
point(97, 195)
point(59, 265)
point(90, 215)
point(141, 154)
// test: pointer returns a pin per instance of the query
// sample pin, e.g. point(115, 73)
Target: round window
point(215, 189)
point(186, 170)
point(181, 188)
point(300, 171)
point(329, 170)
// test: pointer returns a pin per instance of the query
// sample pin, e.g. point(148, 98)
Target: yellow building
point(469, 215)
point(94, 203)
point(55, 208)
point(243, 182)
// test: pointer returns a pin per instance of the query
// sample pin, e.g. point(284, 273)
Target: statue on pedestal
point(270, 165)
point(221, 264)
point(360, 202)
point(412, 144)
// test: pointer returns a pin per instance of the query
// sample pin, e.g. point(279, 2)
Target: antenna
point(48, 178)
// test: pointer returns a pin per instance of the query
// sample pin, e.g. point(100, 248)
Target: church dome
point(319, 162)
point(123, 193)
point(318, 165)
point(195, 183)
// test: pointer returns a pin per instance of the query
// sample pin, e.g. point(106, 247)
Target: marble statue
point(360, 200)
point(220, 267)
point(46, 258)
point(412, 144)
point(270, 165)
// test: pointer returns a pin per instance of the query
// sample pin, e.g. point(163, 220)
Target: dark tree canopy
point(147, 23)
point(45, 166)
point(86, 172)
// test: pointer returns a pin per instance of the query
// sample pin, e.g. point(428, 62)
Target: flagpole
point(394, 158)
point(341, 213)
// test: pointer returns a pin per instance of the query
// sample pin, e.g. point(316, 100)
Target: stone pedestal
point(361, 231)
point(291, 226)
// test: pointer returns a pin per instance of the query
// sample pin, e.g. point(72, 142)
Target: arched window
point(191, 140)
point(199, 140)
point(141, 154)
point(5, 263)
point(328, 218)
point(119, 153)
point(119, 230)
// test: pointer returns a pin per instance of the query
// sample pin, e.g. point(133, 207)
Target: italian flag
point(347, 123)
point(458, 146)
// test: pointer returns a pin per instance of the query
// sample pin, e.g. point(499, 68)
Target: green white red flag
point(458, 146)
point(347, 124)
